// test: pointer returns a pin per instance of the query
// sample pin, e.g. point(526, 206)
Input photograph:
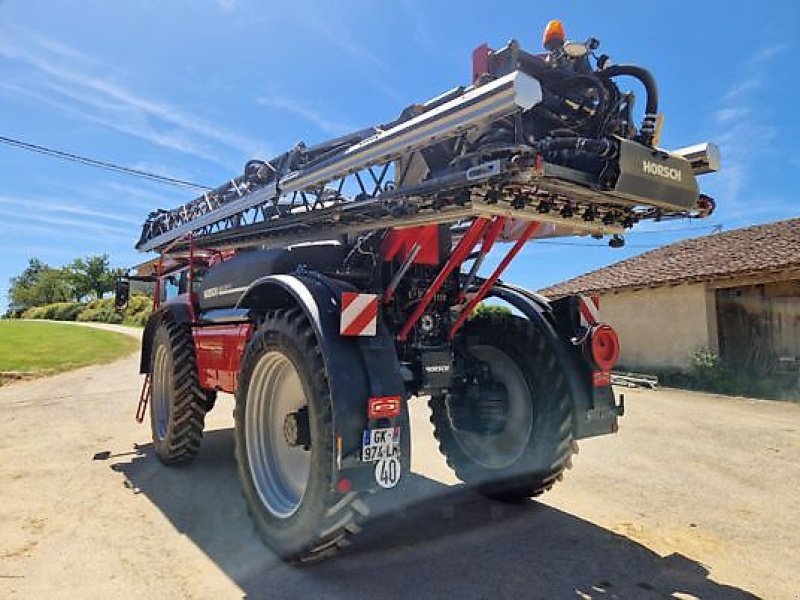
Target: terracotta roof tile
point(770, 247)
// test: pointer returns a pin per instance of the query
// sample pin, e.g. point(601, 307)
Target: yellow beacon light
point(554, 36)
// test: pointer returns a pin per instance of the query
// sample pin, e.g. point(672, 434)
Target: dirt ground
point(697, 496)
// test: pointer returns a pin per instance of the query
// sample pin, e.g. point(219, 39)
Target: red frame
point(480, 61)
point(219, 350)
point(398, 244)
point(458, 256)
point(487, 285)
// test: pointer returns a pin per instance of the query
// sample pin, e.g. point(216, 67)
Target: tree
point(53, 286)
point(20, 291)
point(39, 284)
point(92, 276)
point(30, 275)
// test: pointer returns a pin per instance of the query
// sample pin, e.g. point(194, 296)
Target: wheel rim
point(280, 471)
point(161, 391)
point(504, 448)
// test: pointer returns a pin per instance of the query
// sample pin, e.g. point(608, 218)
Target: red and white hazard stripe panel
point(359, 314)
point(590, 310)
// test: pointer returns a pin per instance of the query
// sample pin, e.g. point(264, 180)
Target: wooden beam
point(756, 278)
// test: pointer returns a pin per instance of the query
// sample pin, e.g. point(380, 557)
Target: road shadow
point(442, 542)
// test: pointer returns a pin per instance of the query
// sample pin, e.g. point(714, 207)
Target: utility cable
point(101, 164)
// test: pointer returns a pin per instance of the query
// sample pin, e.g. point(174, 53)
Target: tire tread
point(339, 516)
point(524, 485)
point(190, 402)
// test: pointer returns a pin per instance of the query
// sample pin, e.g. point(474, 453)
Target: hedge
point(97, 311)
point(60, 311)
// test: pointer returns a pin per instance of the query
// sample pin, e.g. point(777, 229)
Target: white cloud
point(742, 87)
point(375, 69)
point(226, 5)
point(743, 134)
point(57, 206)
point(67, 80)
point(731, 113)
point(340, 37)
point(421, 32)
point(307, 112)
point(146, 195)
point(765, 54)
point(65, 226)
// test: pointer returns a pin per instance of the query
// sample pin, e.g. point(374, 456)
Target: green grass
point(31, 347)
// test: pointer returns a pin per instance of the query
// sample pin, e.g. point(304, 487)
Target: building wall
point(784, 299)
point(759, 326)
point(660, 327)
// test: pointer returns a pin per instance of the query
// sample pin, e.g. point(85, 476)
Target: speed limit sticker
point(387, 472)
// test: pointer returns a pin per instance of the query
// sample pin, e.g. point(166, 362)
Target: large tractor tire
point(526, 452)
point(285, 443)
point(178, 405)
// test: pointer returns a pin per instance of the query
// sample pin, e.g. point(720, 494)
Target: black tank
point(224, 284)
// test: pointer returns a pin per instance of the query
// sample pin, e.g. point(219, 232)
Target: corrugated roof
point(761, 248)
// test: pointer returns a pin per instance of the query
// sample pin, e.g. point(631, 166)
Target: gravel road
point(697, 496)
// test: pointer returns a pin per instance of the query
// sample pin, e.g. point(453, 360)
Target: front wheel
point(285, 446)
point(178, 404)
point(510, 436)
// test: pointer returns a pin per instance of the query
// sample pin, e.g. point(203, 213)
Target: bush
point(484, 309)
point(101, 311)
point(59, 311)
point(62, 311)
point(709, 372)
point(138, 310)
point(37, 312)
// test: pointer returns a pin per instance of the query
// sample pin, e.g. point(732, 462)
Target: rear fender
point(594, 412)
point(357, 368)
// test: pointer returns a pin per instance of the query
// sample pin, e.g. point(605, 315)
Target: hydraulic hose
point(649, 83)
point(603, 147)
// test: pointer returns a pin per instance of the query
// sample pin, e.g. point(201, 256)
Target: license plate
point(380, 444)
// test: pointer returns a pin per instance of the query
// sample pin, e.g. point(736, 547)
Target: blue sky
point(194, 88)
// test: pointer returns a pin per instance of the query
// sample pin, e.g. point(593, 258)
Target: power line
point(101, 164)
point(591, 245)
point(714, 227)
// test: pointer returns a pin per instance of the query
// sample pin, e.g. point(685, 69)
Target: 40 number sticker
point(387, 472)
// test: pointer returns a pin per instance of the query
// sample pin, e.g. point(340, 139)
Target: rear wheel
point(178, 404)
point(512, 439)
point(285, 446)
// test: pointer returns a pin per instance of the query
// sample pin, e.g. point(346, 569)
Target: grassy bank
point(28, 347)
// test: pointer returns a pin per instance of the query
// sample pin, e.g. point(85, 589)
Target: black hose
point(602, 147)
point(533, 65)
point(649, 83)
point(643, 75)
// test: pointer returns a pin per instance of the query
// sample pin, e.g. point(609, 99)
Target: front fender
point(178, 312)
point(357, 368)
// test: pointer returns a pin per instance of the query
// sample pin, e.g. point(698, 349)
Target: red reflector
point(384, 407)
point(602, 379)
point(605, 347)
